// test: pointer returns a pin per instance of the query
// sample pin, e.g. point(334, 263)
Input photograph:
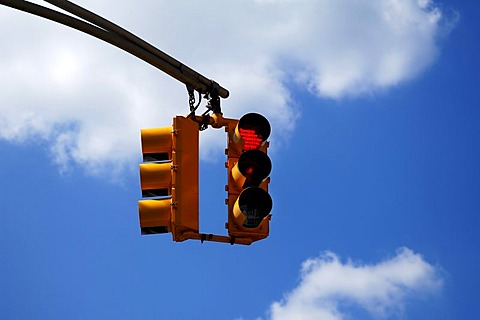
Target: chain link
point(191, 101)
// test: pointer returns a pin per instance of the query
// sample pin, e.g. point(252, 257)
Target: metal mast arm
point(121, 38)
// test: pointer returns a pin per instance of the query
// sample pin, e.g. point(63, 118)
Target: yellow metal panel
point(156, 175)
point(157, 140)
point(185, 194)
point(235, 144)
point(237, 177)
point(155, 213)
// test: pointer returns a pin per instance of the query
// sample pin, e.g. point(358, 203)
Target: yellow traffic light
point(249, 203)
point(169, 180)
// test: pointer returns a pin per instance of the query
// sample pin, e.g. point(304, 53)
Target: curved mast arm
point(121, 38)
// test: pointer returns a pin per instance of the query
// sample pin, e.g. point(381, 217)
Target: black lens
point(255, 166)
point(255, 203)
point(257, 122)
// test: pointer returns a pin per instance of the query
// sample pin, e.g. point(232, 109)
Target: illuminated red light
point(251, 138)
point(249, 171)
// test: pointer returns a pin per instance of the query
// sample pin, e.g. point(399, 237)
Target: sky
point(374, 148)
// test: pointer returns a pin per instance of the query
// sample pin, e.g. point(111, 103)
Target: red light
point(249, 171)
point(252, 139)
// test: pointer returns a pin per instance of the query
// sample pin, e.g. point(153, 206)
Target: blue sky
point(375, 151)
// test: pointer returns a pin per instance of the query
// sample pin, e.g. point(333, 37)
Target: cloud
point(88, 100)
point(329, 287)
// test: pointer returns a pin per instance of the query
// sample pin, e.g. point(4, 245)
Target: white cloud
point(329, 287)
point(89, 100)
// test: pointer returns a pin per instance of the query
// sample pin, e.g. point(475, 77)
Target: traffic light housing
point(249, 203)
point(169, 180)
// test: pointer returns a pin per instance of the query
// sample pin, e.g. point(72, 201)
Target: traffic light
point(249, 203)
point(169, 180)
